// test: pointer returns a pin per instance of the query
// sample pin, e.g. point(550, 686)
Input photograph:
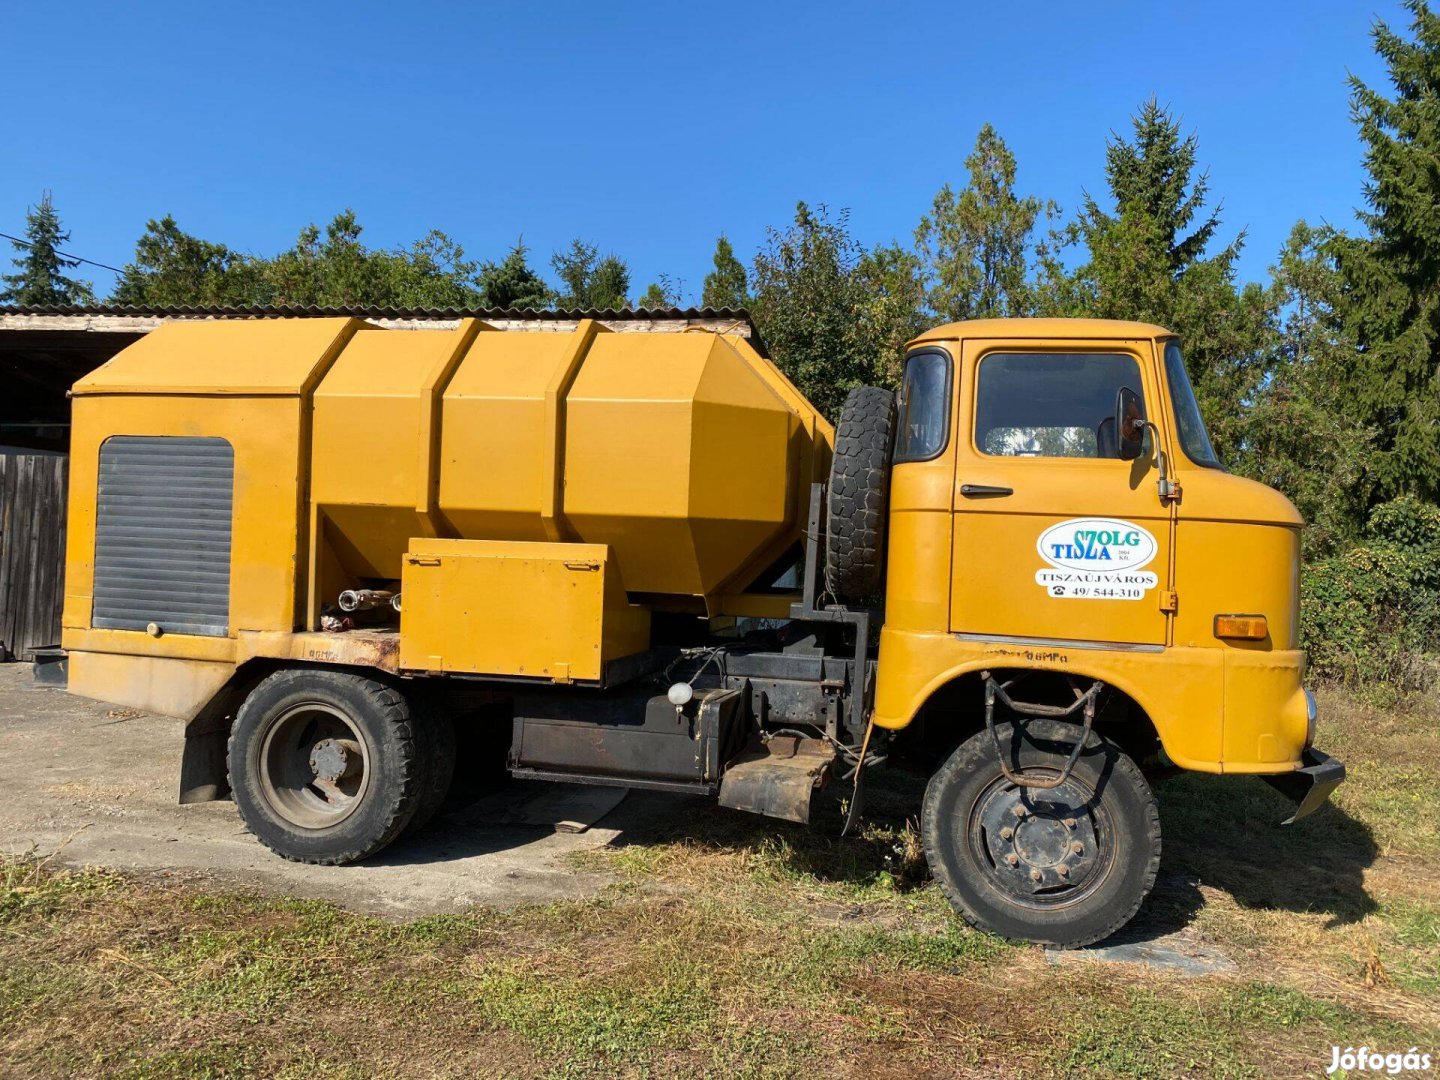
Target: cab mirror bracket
point(1130, 428)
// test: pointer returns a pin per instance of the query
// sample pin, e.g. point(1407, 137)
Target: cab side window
point(1051, 404)
point(924, 406)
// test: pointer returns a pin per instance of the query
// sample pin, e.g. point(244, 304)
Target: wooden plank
point(32, 550)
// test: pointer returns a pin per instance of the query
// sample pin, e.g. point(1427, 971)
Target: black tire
point(859, 494)
point(435, 743)
point(334, 814)
point(1102, 825)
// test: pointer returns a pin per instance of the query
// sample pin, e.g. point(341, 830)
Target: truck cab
point(1078, 597)
point(1147, 564)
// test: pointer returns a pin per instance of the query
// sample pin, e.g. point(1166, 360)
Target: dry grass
point(734, 947)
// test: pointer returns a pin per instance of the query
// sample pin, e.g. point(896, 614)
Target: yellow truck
point(325, 544)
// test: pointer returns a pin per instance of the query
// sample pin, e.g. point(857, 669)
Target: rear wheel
point(324, 765)
point(435, 743)
point(1066, 866)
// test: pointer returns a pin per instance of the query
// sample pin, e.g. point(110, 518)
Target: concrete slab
point(102, 782)
point(1180, 953)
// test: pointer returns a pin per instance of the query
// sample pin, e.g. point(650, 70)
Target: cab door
point(1057, 540)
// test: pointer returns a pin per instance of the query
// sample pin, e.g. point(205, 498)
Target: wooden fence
point(32, 551)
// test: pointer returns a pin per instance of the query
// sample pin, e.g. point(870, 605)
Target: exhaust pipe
point(366, 599)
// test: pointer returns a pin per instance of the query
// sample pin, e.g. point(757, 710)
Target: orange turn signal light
point(1242, 627)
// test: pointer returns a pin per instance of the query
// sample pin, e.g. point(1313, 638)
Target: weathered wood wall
point(32, 551)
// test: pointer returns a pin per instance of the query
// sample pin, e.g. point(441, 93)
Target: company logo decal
point(1096, 559)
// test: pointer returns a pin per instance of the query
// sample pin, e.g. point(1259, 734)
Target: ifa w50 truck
point(325, 544)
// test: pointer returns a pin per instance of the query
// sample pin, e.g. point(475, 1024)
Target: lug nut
point(1063, 870)
point(1012, 859)
point(1018, 810)
point(1035, 875)
point(1077, 848)
point(1006, 833)
point(1069, 823)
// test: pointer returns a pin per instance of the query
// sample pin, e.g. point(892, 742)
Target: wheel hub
point(1040, 841)
point(332, 760)
point(313, 767)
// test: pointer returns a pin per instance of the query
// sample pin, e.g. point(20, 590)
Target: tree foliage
point(329, 268)
point(726, 286)
point(1391, 307)
point(173, 268)
point(1149, 259)
point(813, 309)
point(976, 245)
point(511, 283)
point(589, 280)
point(660, 295)
point(40, 267)
point(1299, 435)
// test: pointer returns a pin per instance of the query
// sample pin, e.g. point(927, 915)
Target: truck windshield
point(1194, 439)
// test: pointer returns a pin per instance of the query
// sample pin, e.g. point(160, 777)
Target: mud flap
point(1309, 786)
point(777, 778)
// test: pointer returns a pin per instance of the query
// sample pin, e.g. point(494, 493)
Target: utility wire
point(66, 254)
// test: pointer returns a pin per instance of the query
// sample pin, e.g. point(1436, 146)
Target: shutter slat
point(162, 534)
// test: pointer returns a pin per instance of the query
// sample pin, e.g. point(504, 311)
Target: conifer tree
point(1149, 260)
point(727, 285)
point(975, 244)
point(40, 279)
point(590, 281)
point(511, 283)
point(1390, 304)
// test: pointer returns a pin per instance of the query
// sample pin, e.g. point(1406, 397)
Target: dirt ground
point(102, 781)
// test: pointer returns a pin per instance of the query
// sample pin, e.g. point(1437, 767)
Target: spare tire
point(859, 494)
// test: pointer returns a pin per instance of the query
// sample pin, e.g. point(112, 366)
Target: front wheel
point(1065, 866)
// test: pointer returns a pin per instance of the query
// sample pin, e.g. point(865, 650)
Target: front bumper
point(1310, 785)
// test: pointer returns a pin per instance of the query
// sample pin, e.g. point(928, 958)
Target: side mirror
point(1129, 424)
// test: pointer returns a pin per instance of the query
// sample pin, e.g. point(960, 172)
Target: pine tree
point(590, 281)
point(976, 245)
point(1390, 306)
point(41, 280)
point(1148, 261)
point(511, 283)
point(1299, 436)
point(727, 285)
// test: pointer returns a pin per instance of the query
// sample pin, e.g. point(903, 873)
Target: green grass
point(732, 947)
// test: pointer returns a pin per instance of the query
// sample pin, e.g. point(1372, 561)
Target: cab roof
point(1043, 328)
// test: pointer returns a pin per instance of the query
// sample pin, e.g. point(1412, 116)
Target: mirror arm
point(1169, 490)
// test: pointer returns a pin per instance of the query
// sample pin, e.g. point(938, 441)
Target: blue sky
point(646, 128)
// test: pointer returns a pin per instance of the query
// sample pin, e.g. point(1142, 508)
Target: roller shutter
point(162, 534)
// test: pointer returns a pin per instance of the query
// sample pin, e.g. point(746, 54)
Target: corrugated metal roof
point(115, 317)
point(370, 312)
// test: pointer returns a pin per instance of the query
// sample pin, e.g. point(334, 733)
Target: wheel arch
point(957, 695)
point(203, 774)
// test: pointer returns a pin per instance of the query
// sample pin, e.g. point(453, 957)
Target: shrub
point(1370, 615)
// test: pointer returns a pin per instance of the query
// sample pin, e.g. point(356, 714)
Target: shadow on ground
point(1222, 832)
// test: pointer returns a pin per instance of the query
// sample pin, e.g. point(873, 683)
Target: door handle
point(980, 491)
